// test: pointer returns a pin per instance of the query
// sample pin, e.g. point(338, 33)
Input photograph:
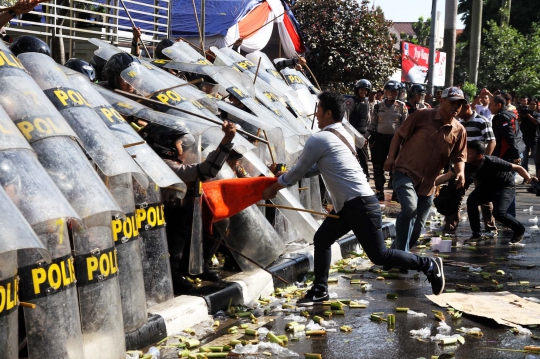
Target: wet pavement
point(370, 339)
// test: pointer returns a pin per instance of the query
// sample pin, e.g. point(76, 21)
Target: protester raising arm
point(20, 7)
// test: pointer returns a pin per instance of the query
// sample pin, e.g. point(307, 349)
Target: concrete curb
point(185, 311)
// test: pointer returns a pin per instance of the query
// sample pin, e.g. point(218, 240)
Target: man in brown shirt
point(428, 139)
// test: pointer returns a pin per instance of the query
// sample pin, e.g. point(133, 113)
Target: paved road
point(373, 340)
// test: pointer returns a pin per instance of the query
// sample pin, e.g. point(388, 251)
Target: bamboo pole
point(313, 76)
point(297, 209)
point(128, 94)
point(135, 26)
point(257, 72)
point(194, 82)
point(314, 112)
point(198, 24)
point(134, 144)
point(269, 148)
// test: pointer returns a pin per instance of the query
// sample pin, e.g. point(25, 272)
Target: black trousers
point(179, 225)
point(501, 198)
point(363, 160)
point(363, 216)
point(379, 154)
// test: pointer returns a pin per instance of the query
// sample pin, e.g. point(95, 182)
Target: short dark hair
point(478, 146)
point(499, 100)
point(333, 101)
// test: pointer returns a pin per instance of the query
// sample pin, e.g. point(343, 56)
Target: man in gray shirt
point(330, 153)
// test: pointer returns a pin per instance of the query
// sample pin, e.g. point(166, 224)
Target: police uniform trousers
point(379, 154)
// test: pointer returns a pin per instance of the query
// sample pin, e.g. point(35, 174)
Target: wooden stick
point(303, 188)
point(257, 72)
point(297, 209)
point(258, 134)
point(134, 144)
point(249, 259)
point(188, 112)
point(197, 47)
point(314, 112)
point(269, 147)
point(135, 26)
point(313, 76)
point(194, 82)
point(198, 24)
point(27, 305)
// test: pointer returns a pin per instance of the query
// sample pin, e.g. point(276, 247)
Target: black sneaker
point(517, 237)
point(475, 238)
point(436, 276)
point(311, 298)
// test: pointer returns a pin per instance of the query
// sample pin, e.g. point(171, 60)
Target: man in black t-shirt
point(495, 183)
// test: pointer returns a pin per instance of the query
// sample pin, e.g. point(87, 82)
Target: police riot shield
point(249, 233)
point(104, 149)
point(126, 243)
point(296, 81)
point(53, 327)
point(145, 157)
point(25, 179)
point(150, 222)
point(245, 65)
point(183, 52)
point(15, 233)
point(105, 50)
point(54, 141)
point(97, 268)
point(196, 260)
point(359, 139)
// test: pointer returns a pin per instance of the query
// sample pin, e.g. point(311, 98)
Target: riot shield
point(145, 157)
point(250, 233)
point(97, 268)
point(51, 287)
point(25, 179)
point(150, 220)
point(196, 260)
point(54, 141)
point(126, 243)
point(15, 234)
point(99, 142)
point(359, 139)
point(183, 52)
point(296, 81)
point(105, 50)
point(245, 65)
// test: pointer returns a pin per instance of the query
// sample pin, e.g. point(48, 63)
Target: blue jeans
point(414, 212)
point(363, 216)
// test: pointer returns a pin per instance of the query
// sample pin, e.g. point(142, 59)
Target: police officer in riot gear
point(389, 114)
point(417, 94)
point(171, 145)
point(360, 118)
point(114, 67)
point(163, 44)
point(98, 63)
point(83, 67)
point(28, 43)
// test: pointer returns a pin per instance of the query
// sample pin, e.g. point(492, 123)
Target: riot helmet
point(83, 67)
point(163, 44)
point(98, 63)
point(28, 43)
point(418, 93)
point(164, 140)
point(392, 85)
point(114, 67)
point(362, 84)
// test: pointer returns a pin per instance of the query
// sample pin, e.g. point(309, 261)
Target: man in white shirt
point(481, 104)
point(330, 153)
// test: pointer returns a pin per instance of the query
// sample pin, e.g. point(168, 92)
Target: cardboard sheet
point(503, 307)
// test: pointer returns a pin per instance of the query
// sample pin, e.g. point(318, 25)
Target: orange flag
point(225, 198)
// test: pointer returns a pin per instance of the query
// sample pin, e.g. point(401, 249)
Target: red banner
point(414, 64)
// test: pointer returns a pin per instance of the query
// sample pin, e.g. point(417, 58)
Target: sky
point(410, 10)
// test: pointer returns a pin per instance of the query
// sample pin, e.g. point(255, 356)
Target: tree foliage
point(422, 31)
point(523, 14)
point(510, 60)
point(347, 42)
